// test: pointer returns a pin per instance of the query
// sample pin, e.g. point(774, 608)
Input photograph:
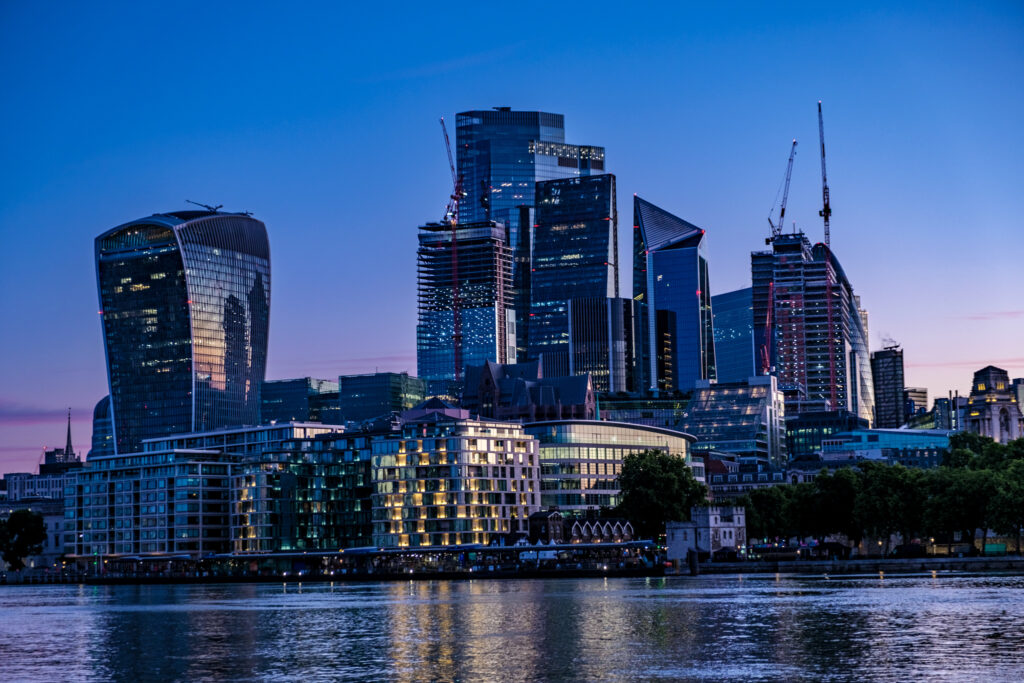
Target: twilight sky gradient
point(323, 122)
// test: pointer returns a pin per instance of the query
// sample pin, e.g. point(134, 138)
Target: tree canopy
point(656, 488)
point(21, 535)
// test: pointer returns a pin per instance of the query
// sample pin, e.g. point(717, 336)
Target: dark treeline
point(980, 486)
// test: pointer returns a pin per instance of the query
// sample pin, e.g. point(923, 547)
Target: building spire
point(69, 452)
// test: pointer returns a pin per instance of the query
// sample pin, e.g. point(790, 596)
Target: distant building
point(729, 477)
point(602, 342)
point(519, 392)
point(582, 459)
point(746, 419)
point(733, 315)
point(992, 409)
point(449, 479)
point(551, 527)
point(52, 512)
point(718, 531)
point(57, 469)
point(483, 262)
point(185, 307)
point(102, 430)
point(915, 400)
point(887, 374)
point(670, 282)
point(305, 399)
point(667, 410)
point(950, 413)
point(921, 448)
point(804, 432)
point(364, 397)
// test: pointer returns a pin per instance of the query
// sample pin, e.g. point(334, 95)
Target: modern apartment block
point(575, 256)
point(451, 480)
point(797, 290)
point(481, 264)
point(733, 315)
point(887, 374)
point(670, 282)
point(185, 305)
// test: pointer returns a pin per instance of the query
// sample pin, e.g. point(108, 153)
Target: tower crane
point(451, 216)
point(777, 227)
point(826, 214)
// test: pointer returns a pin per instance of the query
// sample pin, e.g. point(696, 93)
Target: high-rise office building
point(102, 430)
point(185, 306)
point(733, 314)
point(670, 281)
point(303, 399)
point(887, 374)
point(804, 287)
point(501, 154)
point(575, 255)
point(602, 342)
point(364, 397)
point(482, 262)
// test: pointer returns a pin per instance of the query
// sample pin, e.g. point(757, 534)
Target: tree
point(21, 535)
point(766, 511)
point(1007, 506)
point(837, 501)
point(657, 488)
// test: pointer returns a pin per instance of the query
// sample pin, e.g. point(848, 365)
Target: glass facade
point(575, 247)
point(744, 418)
point(734, 335)
point(601, 342)
point(804, 432)
point(305, 399)
point(887, 374)
point(185, 305)
point(671, 280)
point(102, 430)
point(364, 397)
point(580, 461)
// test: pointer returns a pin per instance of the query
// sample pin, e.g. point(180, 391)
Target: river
point(897, 628)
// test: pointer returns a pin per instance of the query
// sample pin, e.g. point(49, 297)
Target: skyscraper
point(602, 342)
point(887, 374)
point(501, 154)
point(670, 281)
point(797, 289)
point(483, 263)
point(575, 255)
point(185, 306)
point(733, 314)
point(102, 430)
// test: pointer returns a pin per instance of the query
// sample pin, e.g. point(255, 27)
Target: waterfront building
point(992, 408)
point(670, 282)
point(305, 399)
point(733, 316)
point(575, 255)
point(501, 155)
point(184, 303)
point(582, 459)
point(805, 431)
point(365, 397)
point(449, 479)
point(887, 375)
point(667, 410)
point(551, 527)
point(519, 392)
point(718, 531)
point(818, 369)
point(602, 342)
point(921, 448)
point(915, 401)
point(482, 262)
point(102, 430)
point(746, 419)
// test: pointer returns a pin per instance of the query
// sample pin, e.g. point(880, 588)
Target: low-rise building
point(520, 392)
point(804, 432)
point(922, 448)
point(718, 531)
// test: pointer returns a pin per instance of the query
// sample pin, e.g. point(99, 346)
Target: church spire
point(69, 452)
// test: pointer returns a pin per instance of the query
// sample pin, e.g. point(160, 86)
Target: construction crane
point(451, 216)
point(826, 214)
point(777, 227)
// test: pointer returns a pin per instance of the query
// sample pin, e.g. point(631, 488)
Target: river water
point(943, 627)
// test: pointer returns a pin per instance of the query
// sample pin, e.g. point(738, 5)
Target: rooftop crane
point(777, 227)
point(826, 213)
point(826, 210)
point(451, 216)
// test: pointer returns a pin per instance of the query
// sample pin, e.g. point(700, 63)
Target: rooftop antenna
point(211, 209)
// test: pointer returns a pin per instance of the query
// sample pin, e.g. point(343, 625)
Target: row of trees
point(980, 486)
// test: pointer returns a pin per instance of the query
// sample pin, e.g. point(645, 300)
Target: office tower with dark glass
point(185, 307)
point(602, 342)
point(303, 399)
point(364, 397)
point(887, 375)
point(102, 430)
point(733, 314)
point(575, 256)
point(483, 263)
point(501, 155)
point(670, 282)
point(804, 287)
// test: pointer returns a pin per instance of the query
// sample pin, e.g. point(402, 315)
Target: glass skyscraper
point(501, 154)
point(887, 374)
point(185, 307)
point(575, 255)
point(670, 281)
point(733, 315)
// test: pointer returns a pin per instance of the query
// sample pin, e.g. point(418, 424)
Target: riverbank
point(1013, 565)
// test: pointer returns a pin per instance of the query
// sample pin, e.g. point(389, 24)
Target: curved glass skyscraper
point(185, 305)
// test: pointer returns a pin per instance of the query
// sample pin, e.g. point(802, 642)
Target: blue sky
point(322, 120)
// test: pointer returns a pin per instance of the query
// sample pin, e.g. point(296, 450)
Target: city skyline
point(74, 174)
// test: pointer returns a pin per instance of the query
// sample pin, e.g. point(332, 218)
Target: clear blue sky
point(322, 120)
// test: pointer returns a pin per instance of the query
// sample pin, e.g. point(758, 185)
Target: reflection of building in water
point(185, 304)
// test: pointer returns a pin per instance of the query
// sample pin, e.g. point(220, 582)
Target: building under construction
point(797, 290)
point(477, 315)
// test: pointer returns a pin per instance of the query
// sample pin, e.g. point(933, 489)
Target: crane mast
point(826, 213)
point(451, 216)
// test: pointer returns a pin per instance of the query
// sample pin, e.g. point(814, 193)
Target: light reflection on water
point(711, 628)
